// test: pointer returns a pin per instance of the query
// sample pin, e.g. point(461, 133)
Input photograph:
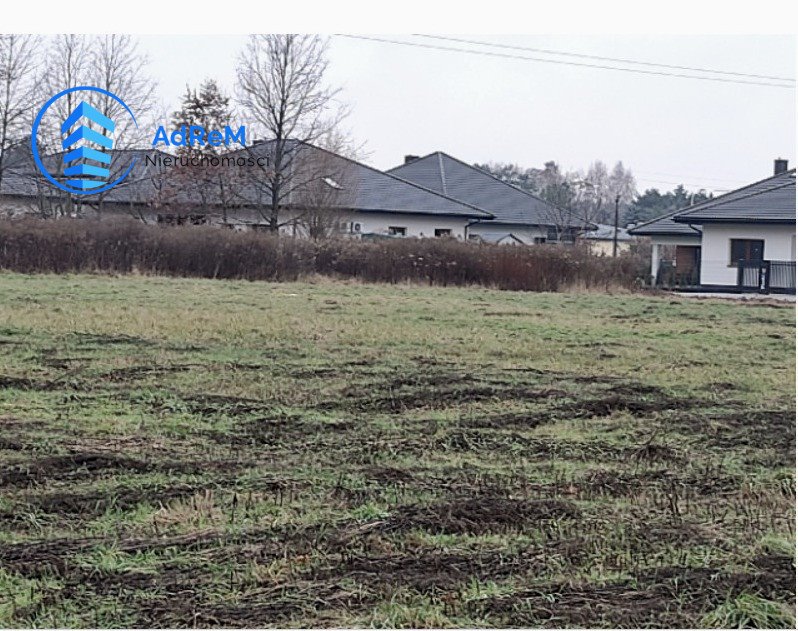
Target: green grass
point(196, 453)
point(751, 612)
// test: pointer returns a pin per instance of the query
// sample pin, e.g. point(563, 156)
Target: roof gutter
point(692, 220)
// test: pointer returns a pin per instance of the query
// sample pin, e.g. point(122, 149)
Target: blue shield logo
point(87, 137)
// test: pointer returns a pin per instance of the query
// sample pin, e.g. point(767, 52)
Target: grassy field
point(201, 453)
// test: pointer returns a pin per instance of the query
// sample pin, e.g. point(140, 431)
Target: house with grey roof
point(336, 194)
point(498, 238)
point(743, 240)
point(605, 238)
point(675, 250)
point(516, 211)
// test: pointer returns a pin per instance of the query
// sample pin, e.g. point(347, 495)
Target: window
point(397, 231)
point(746, 250)
point(539, 240)
point(443, 232)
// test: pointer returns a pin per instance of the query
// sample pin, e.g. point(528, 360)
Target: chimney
point(411, 158)
point(779, 166)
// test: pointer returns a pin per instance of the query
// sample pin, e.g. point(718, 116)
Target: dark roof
point(371, 189)
point(377, 191)
point(664, 225)
point(497, 237)
point(771, 200)
point(509, 204)
point(24, 180)
point(604, 232)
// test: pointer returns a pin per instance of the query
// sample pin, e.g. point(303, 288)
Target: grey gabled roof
point(664, 225)
point(604, 232)
point(498, 237)
point(371, 190)
point(509, 204)
point(24, 180)
point(377, 191)
point(771, 200)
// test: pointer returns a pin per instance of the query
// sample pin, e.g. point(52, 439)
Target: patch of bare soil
point(216, 404)
point(427, 571)
point(259, 608)
point(602, 482)
point(432, 390)
point(294, 432)
point(387, 475)
point(9, 382)
point(89, 505)
point(664, 597)
point(82, 465)
point(68, 467)
point(132, 373)
point(479, 516)
point(100, 340)
point(57, 556)
point(766, 430)
point(636, 399)
point(625, 400)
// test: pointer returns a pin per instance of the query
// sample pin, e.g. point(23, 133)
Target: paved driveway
point(716, 294)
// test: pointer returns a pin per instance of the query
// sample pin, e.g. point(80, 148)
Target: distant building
point(525, 216)
point(602, 239)
point(743, 240)
point(329, 193)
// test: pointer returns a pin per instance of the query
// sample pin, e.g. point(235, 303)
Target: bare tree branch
point(282, 91)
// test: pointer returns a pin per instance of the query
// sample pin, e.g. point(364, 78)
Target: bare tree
point(66, 66)
point(18, 64)
point(117, 66)
point(109, 62)
point(329, 195)
point(597, 199)
point(622, 184)
point(558, 190)
point(281, 89)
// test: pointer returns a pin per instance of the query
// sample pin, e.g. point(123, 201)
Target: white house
point(675, 251)
point(518, 215)
point(326, 192)
point(740, 241)
point(606, 239)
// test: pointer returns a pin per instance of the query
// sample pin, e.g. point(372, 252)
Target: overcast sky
point(407, 100)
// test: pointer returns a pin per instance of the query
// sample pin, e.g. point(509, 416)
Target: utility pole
point(615, 233)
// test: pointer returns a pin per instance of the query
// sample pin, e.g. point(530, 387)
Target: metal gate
point(766, 276)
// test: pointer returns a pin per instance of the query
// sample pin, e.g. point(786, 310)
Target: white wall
point(716, 248)
point(602, 247)
point(417, 225)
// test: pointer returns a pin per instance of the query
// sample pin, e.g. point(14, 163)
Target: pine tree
point(209, 108)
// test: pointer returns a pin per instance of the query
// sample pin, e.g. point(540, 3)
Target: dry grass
point(119, 246)
point(193, 453)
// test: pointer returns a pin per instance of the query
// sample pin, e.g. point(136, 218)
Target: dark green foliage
point(652, 203)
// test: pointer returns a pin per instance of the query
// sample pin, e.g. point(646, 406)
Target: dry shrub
point(124, 246)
